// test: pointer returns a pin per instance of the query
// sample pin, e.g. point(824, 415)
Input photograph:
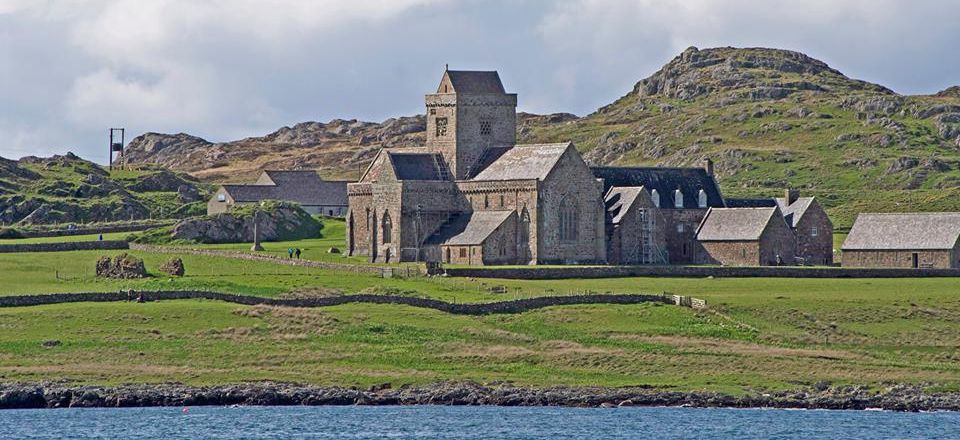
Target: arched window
point(655, 196)
point(702, 199)
point(677, 199)
point(387, 228)
point(568, 220)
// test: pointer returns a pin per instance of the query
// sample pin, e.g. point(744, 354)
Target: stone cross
point(256, 233)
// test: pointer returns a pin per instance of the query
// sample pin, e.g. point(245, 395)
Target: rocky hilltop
point(769, 118)
point(68, 189)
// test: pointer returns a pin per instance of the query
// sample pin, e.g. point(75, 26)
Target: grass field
point(758, 334)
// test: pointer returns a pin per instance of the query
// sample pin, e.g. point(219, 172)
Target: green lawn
point(760, 333)
point(66, 238)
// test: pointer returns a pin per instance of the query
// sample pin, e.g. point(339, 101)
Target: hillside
point(769, 119)
point(68, 189)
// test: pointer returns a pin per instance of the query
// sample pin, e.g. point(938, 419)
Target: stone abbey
point(472, 195)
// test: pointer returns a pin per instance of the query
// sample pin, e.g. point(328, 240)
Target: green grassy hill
point(772, 119)
point(68, 189)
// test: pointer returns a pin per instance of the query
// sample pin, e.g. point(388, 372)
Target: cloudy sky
point(226, 69)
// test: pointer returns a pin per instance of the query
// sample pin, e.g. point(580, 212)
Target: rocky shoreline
point(58, 395)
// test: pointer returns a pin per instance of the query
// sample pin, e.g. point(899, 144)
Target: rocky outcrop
point(276, 221)
point(817, 396)
point(174, 267)
point(123, 266)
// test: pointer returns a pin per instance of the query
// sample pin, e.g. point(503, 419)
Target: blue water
point(415, 422)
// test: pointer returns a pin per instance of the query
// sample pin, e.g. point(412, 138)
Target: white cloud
point(229, 68)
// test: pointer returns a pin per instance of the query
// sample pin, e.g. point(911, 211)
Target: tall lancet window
point(677, 199)
point(387, 228)
point(568, 220)
point(655, 196)
point(702, 198)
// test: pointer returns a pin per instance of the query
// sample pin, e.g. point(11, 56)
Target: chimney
point(790, 196)
point(708, 165)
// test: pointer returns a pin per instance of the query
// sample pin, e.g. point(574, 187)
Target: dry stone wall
point(64, 246)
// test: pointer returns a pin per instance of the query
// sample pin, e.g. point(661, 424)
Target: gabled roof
point(736, 224)
point(471, 228)
point(620, 199)
point(750, 203)
point(250, 193)
point(665, 181)
point(415, 166)
point(904, 231)
point(303, 187)
point(524, 162)
point(290, 177)
point(795, 211)
point(474, 81)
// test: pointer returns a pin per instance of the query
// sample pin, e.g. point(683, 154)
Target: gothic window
point(486, 201)
point(655, 196)
point(501, 200)
point(702, 199)
point(568, 220)
point(677, 199)
point(486, 126)
point(441, 124)
point(387, 228)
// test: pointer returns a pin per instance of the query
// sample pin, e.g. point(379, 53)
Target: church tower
point(469, 113)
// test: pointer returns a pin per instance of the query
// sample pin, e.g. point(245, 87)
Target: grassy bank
point(761, 333)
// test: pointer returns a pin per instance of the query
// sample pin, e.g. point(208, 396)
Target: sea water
point(431, 422)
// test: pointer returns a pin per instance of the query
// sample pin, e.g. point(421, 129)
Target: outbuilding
point(745, 237)
point(918, 240)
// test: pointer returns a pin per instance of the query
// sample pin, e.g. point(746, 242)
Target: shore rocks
point(56, 395)
point(124, 266)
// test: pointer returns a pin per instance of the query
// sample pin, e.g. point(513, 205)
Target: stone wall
point(939, 259)
point(346, 267)
point(87, 230)
point(815, 249)
point(512, 306)
point(571, 182)
point(64, 246)
point(730, 253)
point(682, 244)
point(571, 272)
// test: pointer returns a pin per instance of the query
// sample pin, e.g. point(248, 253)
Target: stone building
point(315, 195)
point(904, 240)
point(745, 237)
point(682, 197)
point(470, 195)
point(812, 228)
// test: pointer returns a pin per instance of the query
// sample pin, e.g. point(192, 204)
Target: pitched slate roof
point(250, 193)
point(475, 82)
point(904, 231)
point(750, 203)
point(470, 228)
point(665, 181)
point(735, 224)
point(793, 213)
point(303, 187)
point(619, 200)
point(415, 166)
point(522, 162)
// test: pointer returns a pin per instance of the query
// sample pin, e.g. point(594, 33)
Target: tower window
point(433, 111)
point(441, 124)
point(486, 126)
point(387, 228)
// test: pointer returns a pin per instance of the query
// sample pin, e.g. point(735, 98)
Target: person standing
point(298, 253)
point(289, 252)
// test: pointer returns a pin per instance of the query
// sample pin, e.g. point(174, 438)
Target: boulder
point(333, 250)
point(173, 267)
point(277, 221)
point(124, 266)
